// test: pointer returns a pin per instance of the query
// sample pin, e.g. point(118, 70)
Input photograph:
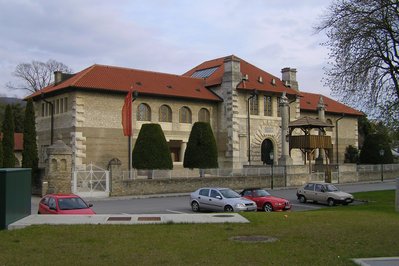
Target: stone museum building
point(242, 103)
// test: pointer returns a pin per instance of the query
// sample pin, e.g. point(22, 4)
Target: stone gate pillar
point(58, 176)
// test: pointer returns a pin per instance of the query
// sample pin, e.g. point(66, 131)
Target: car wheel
point(228, 208)
point(330, 202)
point(195, 206)
point(268, 207)
point(302, 199)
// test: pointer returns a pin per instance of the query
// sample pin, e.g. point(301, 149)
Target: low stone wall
point(282, 177)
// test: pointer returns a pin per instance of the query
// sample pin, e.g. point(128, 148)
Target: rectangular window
point(57, 106)
point(267, 103)
point(254, 105)
point(61, 105)
point(278, 107)
point(65, 104)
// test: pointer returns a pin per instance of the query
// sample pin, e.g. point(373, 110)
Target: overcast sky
point(170, 36)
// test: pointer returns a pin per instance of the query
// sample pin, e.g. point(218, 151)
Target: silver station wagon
point(220, 199)
point(324, 193)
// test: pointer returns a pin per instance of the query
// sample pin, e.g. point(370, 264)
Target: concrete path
point(128, 219)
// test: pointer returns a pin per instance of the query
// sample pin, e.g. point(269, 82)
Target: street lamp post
point(272, 165)
point(253, 94)
point(382, 166)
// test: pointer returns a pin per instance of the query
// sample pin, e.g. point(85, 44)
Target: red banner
point(127, 115)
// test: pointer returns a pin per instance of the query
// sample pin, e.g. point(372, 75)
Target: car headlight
point(240, 205)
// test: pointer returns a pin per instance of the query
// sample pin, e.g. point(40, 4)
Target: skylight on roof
point(204, 73)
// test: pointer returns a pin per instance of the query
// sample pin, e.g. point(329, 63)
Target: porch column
point(285, 158)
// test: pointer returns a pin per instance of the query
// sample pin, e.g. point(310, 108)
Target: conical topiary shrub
point(201, 151)
point(151, 150)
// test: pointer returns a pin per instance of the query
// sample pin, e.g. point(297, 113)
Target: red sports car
point(64, 204)
point(265, 201)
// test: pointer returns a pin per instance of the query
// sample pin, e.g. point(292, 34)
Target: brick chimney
point(289, 77)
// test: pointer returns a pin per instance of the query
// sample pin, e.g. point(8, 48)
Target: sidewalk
point(127, 219)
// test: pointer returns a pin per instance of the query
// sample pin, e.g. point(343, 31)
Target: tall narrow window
point(65, 104)
point(57, 106)
point(143, 112)
point(165, 114)
point(278, 107)
point(253, 105)
point(267, 103)
point(203, 115)
point(185, 115)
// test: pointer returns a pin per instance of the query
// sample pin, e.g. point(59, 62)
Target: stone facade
point(90, 123)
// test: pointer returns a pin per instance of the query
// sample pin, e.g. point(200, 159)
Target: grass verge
point(330, 236)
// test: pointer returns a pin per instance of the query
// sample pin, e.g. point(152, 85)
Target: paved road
point(180, 203)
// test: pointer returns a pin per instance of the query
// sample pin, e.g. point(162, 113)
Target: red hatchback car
point(265, 201)
point(64, 204)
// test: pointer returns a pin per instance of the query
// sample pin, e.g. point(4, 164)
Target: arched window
point(165, 114)
point(143, 112)
point(185, 115)
point(203, 115)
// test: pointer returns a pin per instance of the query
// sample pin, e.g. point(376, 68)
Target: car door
point(216, 200)
point(320, 193)
point(309, 192)
point(203, 198)
point(52, 206)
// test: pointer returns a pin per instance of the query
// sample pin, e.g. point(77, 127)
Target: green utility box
point(15, 195)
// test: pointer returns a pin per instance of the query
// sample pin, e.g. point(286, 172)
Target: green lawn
point(324, 237)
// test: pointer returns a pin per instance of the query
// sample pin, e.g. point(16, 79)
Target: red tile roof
point(246, 68)
point(18, 141)
point(118, 79)
point(309, 102)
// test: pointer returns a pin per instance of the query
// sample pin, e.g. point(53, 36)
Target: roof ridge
point(142, 70)
point(82, 73)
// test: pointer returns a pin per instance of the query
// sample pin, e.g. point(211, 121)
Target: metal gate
point(92, 182)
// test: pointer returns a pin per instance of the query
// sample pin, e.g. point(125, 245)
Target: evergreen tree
point(8, 139)
point(201, 151)
point(30, 157)
point(370, 153)
point(151, 150)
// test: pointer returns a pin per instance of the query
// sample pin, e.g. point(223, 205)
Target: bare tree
point(37, 75)
point(363, 38)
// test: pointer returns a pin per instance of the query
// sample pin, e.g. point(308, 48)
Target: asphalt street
point(179, 202)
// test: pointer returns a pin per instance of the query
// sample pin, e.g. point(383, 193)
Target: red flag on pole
point(127, 115)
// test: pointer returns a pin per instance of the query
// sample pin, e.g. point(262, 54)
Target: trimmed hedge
point(151, 150)
point(201, 151)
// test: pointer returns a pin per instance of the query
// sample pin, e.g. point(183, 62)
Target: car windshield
point(261, 193)
point(71, 204)
point(331, 188)
point(228, 193)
